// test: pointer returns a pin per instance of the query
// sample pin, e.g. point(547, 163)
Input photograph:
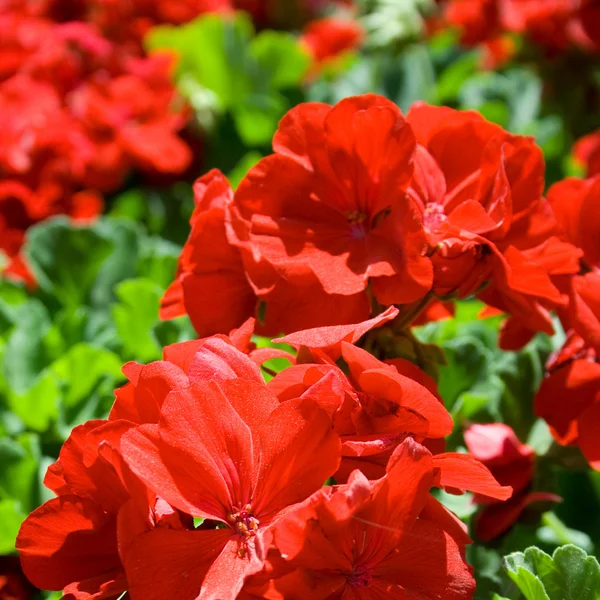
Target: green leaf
point(521, 571)
point(224, 67)
point(65, 259)
point(19, 475)
point(26, 354)
point(570, 574)
point(38, 407)
point(467, 360)
point(576, 575)
point(280, 57)
point(158, 261)
point(212, 50)
point(135, 315)
point(11, 517)
point(81, 369)
point(77, 264)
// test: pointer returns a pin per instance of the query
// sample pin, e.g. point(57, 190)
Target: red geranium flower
point(210, 272)
point(328, 40)
point(364, 540)
point(77, 113)
point(373, 409)
point(575, 204)
point(511, 463)
point(70, 543)
point(101, 507)
point(241, 461)
point(332, 201)
point(587, 152)
point(568, 396)
point(484, 214)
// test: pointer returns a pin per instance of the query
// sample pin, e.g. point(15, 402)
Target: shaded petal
point(428, 563)
point(565, 395)
point(68, 539)
point(164, 563)
point(589, 434)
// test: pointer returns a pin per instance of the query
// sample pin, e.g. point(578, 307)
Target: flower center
point(433, 216)
point(360, 577)
point(243, 521)
point(356, 217)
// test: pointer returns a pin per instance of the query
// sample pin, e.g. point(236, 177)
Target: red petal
point(329, 338)
point(565, 395)
point(68, 539)
point(427, 563)
point(589, 434)
point(299, 451)
point(463, 472)
point(495, 443)
point(164, 563)
point(217, 360)
point(141, 401)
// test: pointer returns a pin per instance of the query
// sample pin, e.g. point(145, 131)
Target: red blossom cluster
point(361, 208)
point(205, 482)
point(569, 397)
point(126, 23)
point(78, 112)
point(555, 25)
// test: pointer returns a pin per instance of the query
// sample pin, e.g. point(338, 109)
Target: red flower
point(76, 112)
point(373, 410)
point(210, 273)
point(568, 391)
point(364, 540)
point(576, 204)
point(319, 341)
point(101, 507)
point(328, 40)
point(511, 463)
point(70, 543)
point(485, 216)
point(587, 152)
point(243, 460)
point(554, 24)
point(478, 19)
point(331, 202)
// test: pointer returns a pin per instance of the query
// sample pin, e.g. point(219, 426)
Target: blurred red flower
point(511, 463)
point(329, 40)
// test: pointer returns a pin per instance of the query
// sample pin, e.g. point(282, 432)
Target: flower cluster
point(77, 113)
point(205, 482)
point(361, 208)
point(554, 25)
point(569, 397)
